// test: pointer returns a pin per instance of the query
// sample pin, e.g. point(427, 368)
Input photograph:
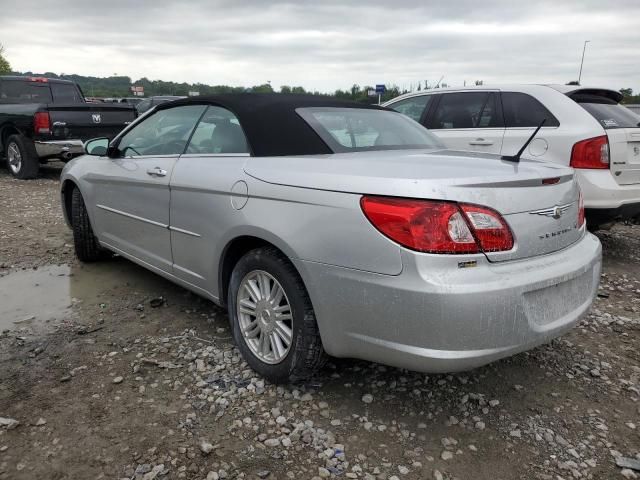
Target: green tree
point(5, 68)
point(629, 97)
point(264, 88)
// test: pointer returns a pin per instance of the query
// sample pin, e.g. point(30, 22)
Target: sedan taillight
point(433, 226)
point(591, 153)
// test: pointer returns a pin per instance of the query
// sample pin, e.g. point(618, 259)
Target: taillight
point(581, 217)
point(42, 122)
point(438, 227)
point(591, 153)
point(489, 227)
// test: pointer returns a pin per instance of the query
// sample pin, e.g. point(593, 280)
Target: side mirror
point(97, 146)
point(113, 151)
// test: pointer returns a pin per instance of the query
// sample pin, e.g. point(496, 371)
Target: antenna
point(516, 158)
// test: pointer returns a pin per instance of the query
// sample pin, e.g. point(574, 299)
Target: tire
point(86, 244)
point(305, 354)
point(21, 157)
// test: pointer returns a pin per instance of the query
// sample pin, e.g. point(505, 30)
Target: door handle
point(481, 141)
point(157, 172)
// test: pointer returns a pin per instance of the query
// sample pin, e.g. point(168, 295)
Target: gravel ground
point(115, 373)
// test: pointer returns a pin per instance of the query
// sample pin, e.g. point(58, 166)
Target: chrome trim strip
point(135, 217)
point(143, 157)
point(186, 232)
point(207, 155)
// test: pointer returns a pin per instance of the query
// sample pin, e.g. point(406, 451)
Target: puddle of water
point(29, 296)
point(33, 297)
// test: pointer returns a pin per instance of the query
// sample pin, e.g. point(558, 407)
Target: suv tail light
point(432, 226)
point(591, 153)
point(42, 122)
point(581, 217)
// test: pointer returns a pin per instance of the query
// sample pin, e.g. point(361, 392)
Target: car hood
point(445, 175)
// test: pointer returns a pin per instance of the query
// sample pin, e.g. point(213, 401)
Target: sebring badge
point(97, 118)
point(553, 212)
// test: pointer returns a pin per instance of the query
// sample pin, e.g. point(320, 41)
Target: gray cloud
point(328, 44)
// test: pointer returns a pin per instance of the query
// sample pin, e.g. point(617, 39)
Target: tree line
point(120, 86)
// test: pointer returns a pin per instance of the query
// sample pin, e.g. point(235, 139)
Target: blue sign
point(380, 88)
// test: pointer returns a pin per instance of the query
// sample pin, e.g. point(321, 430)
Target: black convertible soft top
point(270, 121)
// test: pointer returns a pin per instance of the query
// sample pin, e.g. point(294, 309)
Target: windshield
point(608, 113)
point(360, 129)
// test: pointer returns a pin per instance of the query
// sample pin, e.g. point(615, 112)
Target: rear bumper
point(437, 317)
point(65, 149)
point(604, 197)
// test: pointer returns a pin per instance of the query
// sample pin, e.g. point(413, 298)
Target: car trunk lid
point(538, 200)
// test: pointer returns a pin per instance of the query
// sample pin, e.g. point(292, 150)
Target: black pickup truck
point(43, 119)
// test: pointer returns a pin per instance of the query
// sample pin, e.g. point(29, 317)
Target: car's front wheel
point(21, 157)
point(272, 318)
point(85, 242)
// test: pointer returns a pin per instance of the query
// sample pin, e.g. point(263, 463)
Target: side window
point(413, 107)
point(522, 110)
point(218, 132)
point(466, 110)
point(65, 93)
point(349, 131)
point(165, 132)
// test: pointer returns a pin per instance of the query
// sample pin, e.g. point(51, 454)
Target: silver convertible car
point(330, 227)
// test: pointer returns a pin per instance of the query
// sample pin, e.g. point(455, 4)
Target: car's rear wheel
point(21, 157)
point(272, 318)
point(86, 244)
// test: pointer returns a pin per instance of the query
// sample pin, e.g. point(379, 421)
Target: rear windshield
point(609, 113)
point(356, 129)
point(66, 93)
point(18, 91)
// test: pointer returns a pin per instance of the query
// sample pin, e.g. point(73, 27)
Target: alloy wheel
point(14, 158)
point(265, 316)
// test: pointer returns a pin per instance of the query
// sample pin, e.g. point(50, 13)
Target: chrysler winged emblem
point(97, 118)
point(553, 212)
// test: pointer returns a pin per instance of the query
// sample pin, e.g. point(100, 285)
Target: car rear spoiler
point(599, 92)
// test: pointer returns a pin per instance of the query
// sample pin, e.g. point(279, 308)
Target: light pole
point(584, 48)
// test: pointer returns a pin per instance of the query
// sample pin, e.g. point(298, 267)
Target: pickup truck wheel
point(21, 157)
point(86, 244)
point(272, 319)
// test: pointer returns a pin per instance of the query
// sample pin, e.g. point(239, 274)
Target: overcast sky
point(326, 44)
